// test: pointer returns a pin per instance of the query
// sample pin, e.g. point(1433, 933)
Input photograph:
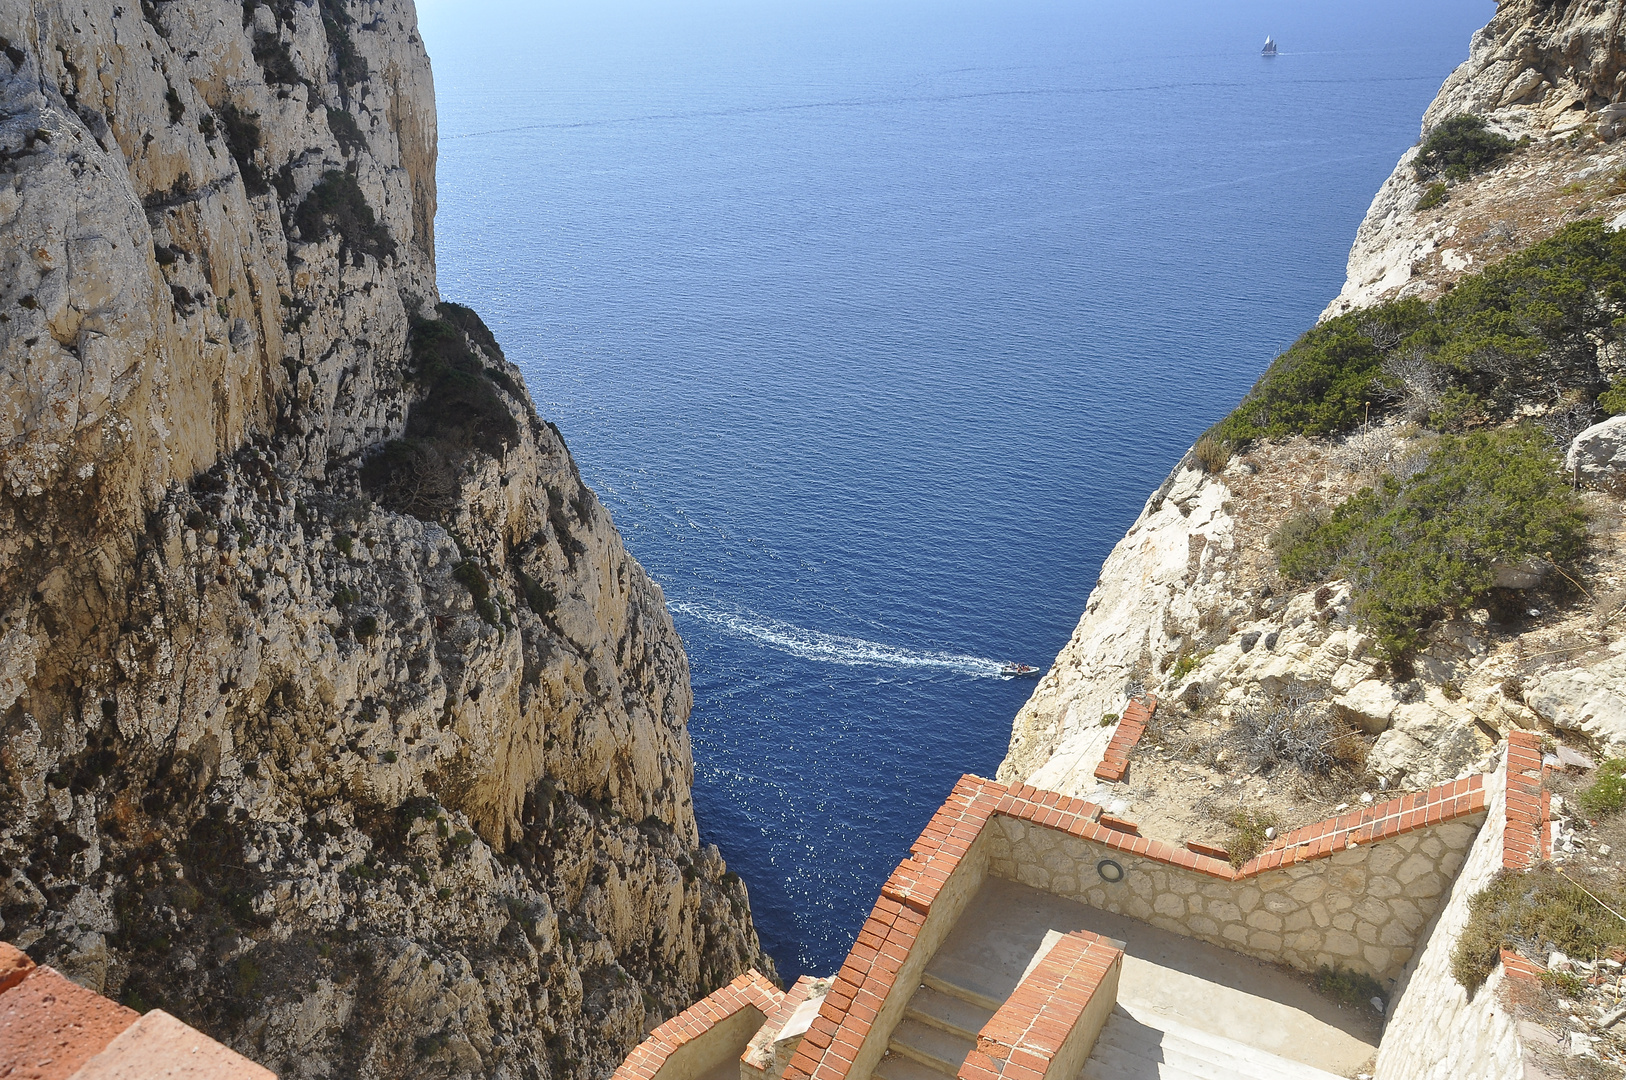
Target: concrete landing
point(1169, 982)
point(1150, 1047)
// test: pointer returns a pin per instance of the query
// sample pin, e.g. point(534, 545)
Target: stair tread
point(966, 981)
point(899, 1067)
point(931, 1045)
point(953, 1014)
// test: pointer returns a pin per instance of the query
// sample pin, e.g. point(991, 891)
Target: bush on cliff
point(336, 205)
point(1613, 400)
point(1459, 147)
point(458, 411)
point(1539, 911)
point(1529, 329)
point(1419, 548)
point(1326, 382)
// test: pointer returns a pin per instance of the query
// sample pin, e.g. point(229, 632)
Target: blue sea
point(874, 324)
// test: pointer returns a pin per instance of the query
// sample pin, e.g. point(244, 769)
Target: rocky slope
point(334, 717)
point(1190, 604)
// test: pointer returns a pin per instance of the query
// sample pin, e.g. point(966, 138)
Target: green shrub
point(366, 627)
point(345, 130)
point(1613, 400)
point(1533, 324)
point(411, 476)
point(1434, 195)
point(1418, 548)
point(474, 579)
point(242, 140)
point(1459, 147)
point(1529, 327)
point(1607, 793)
point(1212, 454)
point(1327, 381)
point(173, 101)
point(1540, 910)
point(336, 205)
point(1247, 837)
point(460, 405)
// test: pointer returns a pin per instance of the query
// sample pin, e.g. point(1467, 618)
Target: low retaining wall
point(1436, 1031)
point(706, 1034)
point(1046, 1029)
point(1356, 895)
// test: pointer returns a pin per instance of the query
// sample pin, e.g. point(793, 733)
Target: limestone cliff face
point(334, 717)
point(1189, 604)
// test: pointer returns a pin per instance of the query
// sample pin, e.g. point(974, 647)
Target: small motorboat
point(1270, 47)
point(1018, 671)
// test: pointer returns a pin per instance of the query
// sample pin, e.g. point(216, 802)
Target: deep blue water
point(875, 324)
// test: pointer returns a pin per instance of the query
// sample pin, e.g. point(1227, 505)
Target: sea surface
point(874, 325)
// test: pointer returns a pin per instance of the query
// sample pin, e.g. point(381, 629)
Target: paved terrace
point(1003, 873)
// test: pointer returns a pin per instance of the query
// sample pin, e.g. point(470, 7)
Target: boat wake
point(815, 645)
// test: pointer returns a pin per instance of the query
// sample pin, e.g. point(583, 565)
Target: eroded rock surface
point(356, 790)
point(1190, 606)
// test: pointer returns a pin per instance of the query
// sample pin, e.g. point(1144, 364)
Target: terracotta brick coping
point(1525, 842)
point(750, 991)
point(1131, 726)
point(887, 936)
point(54, 1029)
point(1023, 1038)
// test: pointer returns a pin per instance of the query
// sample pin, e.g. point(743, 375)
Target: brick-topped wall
point(717, 1027)
point(53, 1029)
point(1046, 1029)
point(1355, 890)
point(1526, 841)
point(1435, 1029)
point(1131, 726)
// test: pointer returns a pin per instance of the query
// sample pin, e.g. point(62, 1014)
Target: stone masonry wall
point(1362, 908)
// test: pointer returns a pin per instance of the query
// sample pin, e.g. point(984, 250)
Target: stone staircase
point(938, 1029)
point(1152, 1047)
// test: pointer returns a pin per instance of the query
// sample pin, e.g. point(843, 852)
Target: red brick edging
point(1022, 1040)
point(751, 990)
point(1525, 841)
point(1115, 763)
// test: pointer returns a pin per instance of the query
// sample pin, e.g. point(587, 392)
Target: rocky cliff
point(1191, 604)
point(334, 717)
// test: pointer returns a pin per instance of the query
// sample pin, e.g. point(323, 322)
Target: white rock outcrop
point(365, 777)
point(1597, 457)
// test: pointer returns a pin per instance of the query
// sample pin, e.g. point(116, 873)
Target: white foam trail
point(808, 644)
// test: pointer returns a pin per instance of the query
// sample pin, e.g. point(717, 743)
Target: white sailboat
point(1270, 47)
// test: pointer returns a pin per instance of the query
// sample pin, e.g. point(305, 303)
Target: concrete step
point(1156, 1048)
point(898, 1067)
point(953, 1014)
point(931, 1046)
point(966, 982)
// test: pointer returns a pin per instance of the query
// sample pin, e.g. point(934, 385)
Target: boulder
point(1371, 704)
point(1598, 456)
point(1589, 700)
